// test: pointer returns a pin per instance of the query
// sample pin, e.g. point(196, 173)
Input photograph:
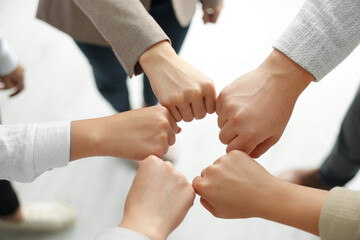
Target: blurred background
point(60, 86)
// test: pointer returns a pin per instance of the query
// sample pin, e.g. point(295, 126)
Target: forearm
point(288, 75)
point(127, 26)
point(322, 35)
point(296, 206)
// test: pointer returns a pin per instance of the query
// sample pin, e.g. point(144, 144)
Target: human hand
point(132, 135)
point(14, 80)
point(254, 110)
point(211, 14)
point(235, 186)
point(186, 92)
point(158, 200)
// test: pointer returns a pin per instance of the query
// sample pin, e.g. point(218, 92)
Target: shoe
point(42, 217)
point(308, 178)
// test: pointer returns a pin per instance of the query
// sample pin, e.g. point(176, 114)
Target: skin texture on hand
point(236, 186)
point(211, 15)
point(186, 92)
point(14, 80)
point(132, 135)
point(158, 200)
point(254, 110)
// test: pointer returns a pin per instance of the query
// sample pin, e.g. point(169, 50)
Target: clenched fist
point(158, 200)
point(132, 135)
point(185, 91)
point(254, 110)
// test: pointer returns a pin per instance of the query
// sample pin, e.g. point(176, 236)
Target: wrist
point(144, 228)
point(296, 206)
point(85, 139)
point(157, 55)
point(290, 76)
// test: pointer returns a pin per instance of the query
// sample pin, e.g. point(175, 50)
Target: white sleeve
point(118, 233)
point(8, 61)
point(27, 151)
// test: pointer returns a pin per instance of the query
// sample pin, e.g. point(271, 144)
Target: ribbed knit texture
point(322, 35)
point(340, 215)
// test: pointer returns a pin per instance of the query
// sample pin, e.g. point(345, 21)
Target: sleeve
point(211, 3)
point(127, 26)
point(8, 61)
point(322, 35)
point(117, 233)
point(27, 151)
point(340, 215)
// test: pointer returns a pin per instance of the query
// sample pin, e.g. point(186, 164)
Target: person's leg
point(163, 12)
point(109, 75)
point(343, 162)
point(9, 203)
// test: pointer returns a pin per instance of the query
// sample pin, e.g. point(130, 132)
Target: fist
point(153, 206)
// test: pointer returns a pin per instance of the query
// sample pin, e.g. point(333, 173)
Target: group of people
point(123, 38)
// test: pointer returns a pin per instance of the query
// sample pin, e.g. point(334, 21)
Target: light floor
point(59, 86)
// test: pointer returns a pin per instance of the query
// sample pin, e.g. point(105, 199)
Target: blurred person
point(236, 186)
point(125, 38)
point(37, 216)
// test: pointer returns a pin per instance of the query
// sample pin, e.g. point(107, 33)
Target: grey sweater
point(322, 35)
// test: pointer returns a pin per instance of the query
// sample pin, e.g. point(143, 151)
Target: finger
point(8, 84)
point(16, 92)
point(165, 150)
point(171, 137)
point(242, 144)
point(198, 108)
point(172, 122)
point(175, 113)
point(208, 206)
point(222, 119)
point(186, 112)
point(20, 88)
point(210, 100)
point(227, 133)
point(197, 185)
point(215, 17)
point(203, 172)
point(263, 147)
point(179, 130)
point(219, 103)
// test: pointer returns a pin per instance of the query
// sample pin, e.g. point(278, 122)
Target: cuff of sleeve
point(340, 218)
point(120, 233)
point(51, 146)
point(8, 61)
point(211, 3)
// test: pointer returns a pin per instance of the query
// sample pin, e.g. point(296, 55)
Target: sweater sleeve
point(322, 35)
point(211, 3)
point(117, 233)
point(8, 61)
point(340, 215)
point(127, 26)
point(28, 150)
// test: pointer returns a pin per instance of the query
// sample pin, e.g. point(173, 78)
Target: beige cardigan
point(340, 215)
point(126, 25)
